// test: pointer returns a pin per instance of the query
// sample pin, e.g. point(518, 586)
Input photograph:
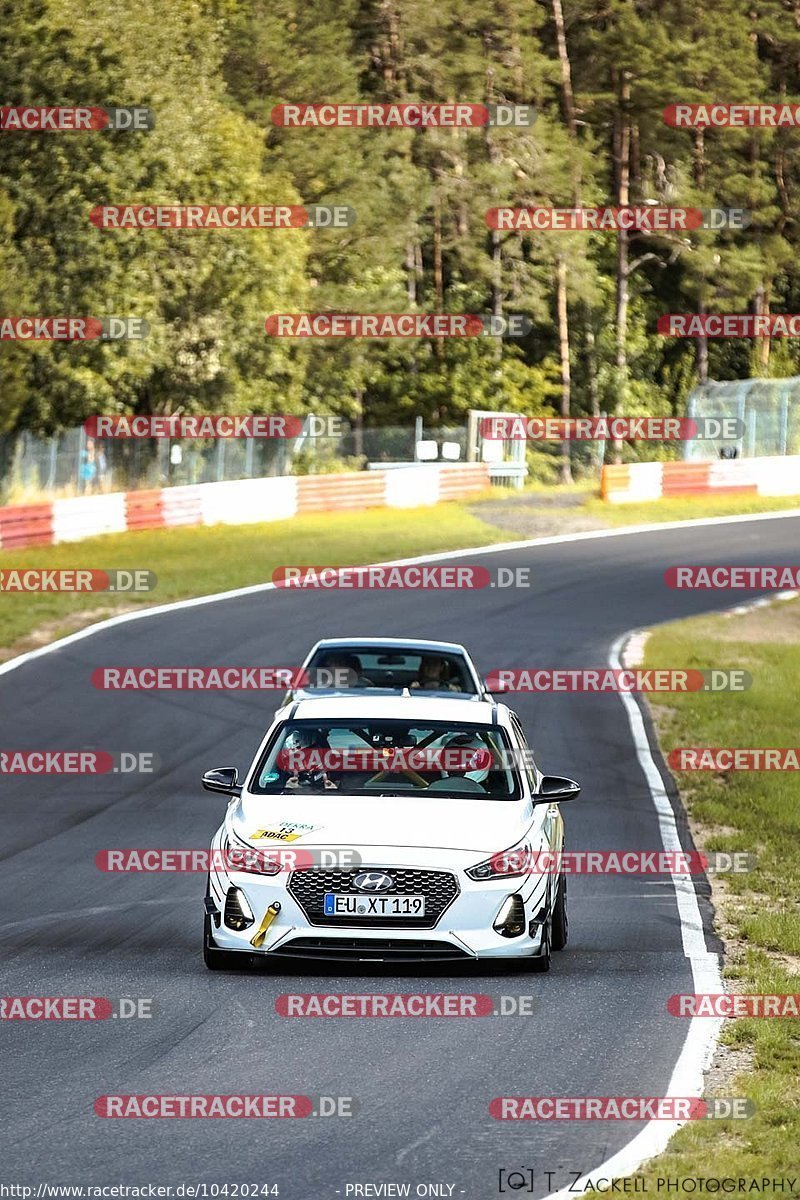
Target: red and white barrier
point(240, 502)
point(26, 525)
point(87, 516)
point(778, 476)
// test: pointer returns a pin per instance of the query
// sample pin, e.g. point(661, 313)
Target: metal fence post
point(81, 449)
point(784, 438)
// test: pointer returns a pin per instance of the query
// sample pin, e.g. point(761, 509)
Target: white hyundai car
point(388, 829)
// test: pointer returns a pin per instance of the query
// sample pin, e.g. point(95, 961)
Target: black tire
point(219, 960)
point(560, 920)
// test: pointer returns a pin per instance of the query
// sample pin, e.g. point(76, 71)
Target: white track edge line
point(687, 1077)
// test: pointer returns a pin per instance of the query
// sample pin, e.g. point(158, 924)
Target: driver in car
point(341, 671)
point(471, 773)
point(307, 740)
point(434, 675)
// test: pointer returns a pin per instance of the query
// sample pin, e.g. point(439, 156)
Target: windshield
point(387, 758)
point(384, 667)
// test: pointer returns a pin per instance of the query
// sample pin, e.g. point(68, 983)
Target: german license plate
point(373, 906)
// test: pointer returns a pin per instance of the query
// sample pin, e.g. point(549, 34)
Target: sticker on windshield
point(286, 831)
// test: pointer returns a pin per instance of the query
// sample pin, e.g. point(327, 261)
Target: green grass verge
point(200, 561)
point(582, 499)
point(687, 508)
point(757, 914)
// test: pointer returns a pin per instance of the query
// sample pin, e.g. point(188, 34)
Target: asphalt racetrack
point(599, 1025)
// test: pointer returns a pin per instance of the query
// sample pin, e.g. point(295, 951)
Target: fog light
point(510, 921)
point(238, 913)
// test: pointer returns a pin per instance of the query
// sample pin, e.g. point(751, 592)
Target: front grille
point(370, 950)
point(439, 888)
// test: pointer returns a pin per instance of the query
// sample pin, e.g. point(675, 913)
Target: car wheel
point(218, 960)
point(560, 921)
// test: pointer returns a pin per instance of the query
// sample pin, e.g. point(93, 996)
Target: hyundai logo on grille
point(373, 881)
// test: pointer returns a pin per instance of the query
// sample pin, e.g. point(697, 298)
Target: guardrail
point(239, 502)
point(773, 476)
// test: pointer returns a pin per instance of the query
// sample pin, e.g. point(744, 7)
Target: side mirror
point(224, 779)
point(495, 686)
point(555, 789)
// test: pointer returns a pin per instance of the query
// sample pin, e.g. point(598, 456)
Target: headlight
point(238, 856)
point(506, 864)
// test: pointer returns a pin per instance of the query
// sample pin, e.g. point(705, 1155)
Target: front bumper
point(463, 930)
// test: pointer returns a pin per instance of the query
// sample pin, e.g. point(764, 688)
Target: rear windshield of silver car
point(382, 667)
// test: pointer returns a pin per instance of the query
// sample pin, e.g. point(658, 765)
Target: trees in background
point(599, 72)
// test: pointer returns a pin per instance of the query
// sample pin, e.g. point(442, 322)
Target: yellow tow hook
point(257, 940)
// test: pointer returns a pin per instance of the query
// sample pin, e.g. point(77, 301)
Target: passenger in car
point(434, 675)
